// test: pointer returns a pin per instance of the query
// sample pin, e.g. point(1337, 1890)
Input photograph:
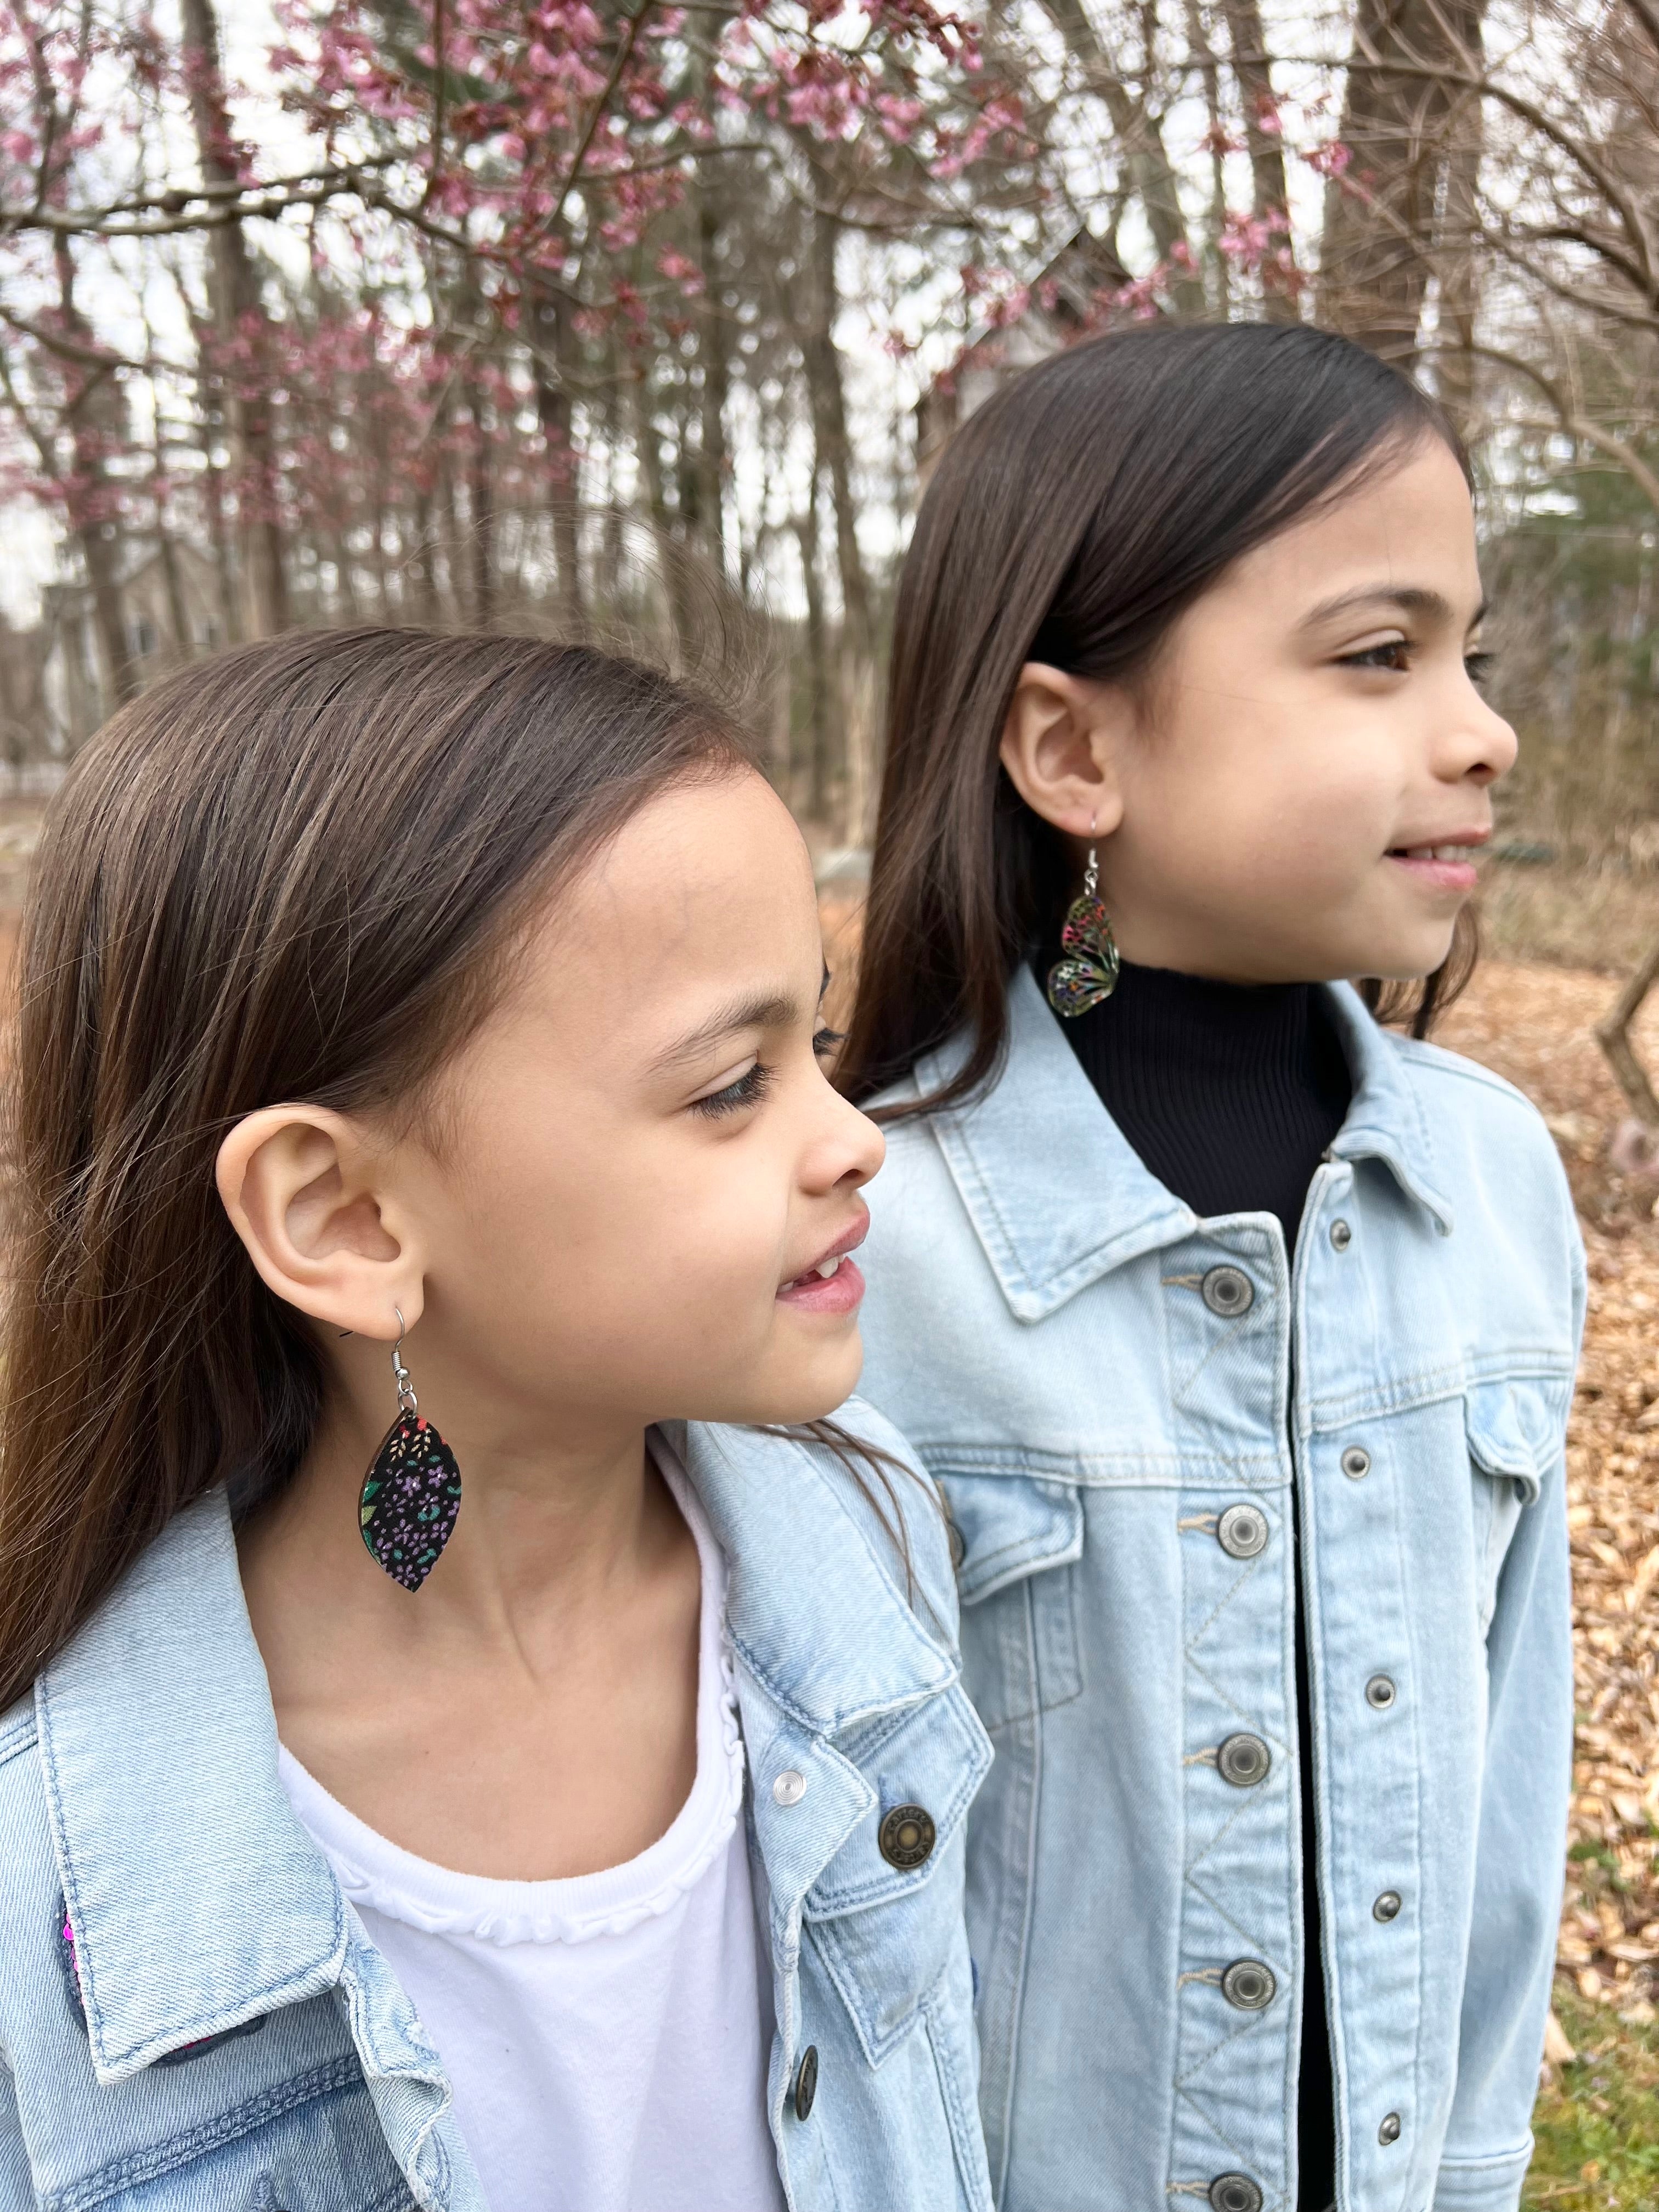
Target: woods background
point(638, 319)
point(643, 323)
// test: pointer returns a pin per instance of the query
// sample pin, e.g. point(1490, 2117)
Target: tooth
point(827, 1267)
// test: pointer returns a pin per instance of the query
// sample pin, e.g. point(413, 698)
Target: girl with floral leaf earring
point(1237, 1322)
point(532, 1778)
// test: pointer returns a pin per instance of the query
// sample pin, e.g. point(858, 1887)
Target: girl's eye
point(751, 1087)
point(1395, 654)
point(826, 1040)
point(1479, 666)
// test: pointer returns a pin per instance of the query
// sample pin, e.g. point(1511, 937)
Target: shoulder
point(1494, 1156)
point(843, 1505)
point(1481, 1124)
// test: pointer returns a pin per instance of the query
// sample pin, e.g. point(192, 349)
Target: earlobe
point(1060, 746)
point(297, 1185)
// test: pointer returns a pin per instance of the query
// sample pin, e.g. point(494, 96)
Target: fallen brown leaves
point(1533, 1025)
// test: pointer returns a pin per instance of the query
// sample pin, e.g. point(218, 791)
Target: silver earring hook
point(406, 1398)
point(1091, 866)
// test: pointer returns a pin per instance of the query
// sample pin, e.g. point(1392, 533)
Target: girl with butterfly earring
point(471, 1735)
point(1237, 1322)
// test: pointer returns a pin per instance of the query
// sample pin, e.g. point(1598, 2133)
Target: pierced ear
point(312, 1204)
point(1060, 745)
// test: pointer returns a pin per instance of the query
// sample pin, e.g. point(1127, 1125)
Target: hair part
point(1072, 519)
point(297, 872)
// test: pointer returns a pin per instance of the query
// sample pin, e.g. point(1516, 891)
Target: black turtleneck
point(1231, 1094)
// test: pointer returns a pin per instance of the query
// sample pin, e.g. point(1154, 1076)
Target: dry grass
point(1602, 918)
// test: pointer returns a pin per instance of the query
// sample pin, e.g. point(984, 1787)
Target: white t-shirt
point(606, 2036)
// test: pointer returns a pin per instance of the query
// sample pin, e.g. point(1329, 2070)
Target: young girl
point(1239, 1329)
point(426, 1781)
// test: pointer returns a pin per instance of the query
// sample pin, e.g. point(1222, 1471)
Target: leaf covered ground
point(1598, 2116)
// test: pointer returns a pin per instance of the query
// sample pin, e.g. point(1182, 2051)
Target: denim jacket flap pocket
point(1514, 1429)
point(885, 1932)
point(1514, 1435)
point(1010, 1526)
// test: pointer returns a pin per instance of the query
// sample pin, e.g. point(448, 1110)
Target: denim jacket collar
point(829, 1649)
point(1055, 1217)
point(170, 1660)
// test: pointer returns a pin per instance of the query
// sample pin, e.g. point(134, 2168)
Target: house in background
point(1064, 306)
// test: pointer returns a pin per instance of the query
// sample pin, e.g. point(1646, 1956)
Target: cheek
point(1262, 808)
point(619, 1249)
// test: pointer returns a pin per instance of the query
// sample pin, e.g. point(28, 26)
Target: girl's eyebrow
point(769, 1010)
point(1409, 599)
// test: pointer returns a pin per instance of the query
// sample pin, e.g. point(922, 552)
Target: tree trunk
point(1380, 217)
point(818, 664)
point(829, 434)
point(558, 419)
point(1271, 199)
point(93, 418)
point(233, 289)
point(1151, 176)
point(712, 360)
point(481, 517)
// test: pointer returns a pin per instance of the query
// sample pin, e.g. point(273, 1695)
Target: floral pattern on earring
point(1088, 973)
point(411, 1495)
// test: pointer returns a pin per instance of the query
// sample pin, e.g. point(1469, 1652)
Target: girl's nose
point(1480, 746)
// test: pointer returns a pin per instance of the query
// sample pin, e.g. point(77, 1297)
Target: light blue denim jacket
point(1097, 1376)
point(235, 2043)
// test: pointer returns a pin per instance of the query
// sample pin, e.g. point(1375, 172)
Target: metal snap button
point(1228, 1291)
point(1234, 2192)
point(1387, 1906)
point(907, 1836)
point(789, 1788)
point(1241, 1532)
point(1249, 1986)
point(806, 2082)
point(1379, 1693)
point(1341, 1235)
point(1389, 2131)
point(1244, 1760)
point(1356, 1462)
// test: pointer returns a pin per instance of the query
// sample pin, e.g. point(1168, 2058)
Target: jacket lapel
point(197, 1902)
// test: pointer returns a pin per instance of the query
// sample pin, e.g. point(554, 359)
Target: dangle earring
point(411, 1494)
point(1088, 973)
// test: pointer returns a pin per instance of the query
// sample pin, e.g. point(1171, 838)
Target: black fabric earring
point(411, 1494)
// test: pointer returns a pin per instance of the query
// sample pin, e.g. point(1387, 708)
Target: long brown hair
point(1071, 520)
point(295, 871)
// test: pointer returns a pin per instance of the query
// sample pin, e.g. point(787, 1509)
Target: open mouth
point(1440, 868)
point(833, 1284)
point(825, 1272)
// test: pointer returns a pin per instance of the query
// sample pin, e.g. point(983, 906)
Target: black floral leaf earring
point(411, 1494)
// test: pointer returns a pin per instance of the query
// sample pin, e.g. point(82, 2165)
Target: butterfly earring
point(411, 1496)
point(1088, 973)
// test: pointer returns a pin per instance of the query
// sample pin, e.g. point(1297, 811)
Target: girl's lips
point(839, 1293)
point(1438, 867)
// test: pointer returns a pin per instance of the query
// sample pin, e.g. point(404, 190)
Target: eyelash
point(752, 1086)
point(1479, 664)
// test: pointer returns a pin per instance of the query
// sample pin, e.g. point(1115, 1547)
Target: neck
point(557, 1508)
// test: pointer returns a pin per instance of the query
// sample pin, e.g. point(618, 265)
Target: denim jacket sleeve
point(1517, 1876)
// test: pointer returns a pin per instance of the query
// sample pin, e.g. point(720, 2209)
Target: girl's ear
point(1062, 745)
point(309, 1200)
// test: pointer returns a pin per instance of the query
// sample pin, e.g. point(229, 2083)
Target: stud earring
point(1088, 973)
point(411, 1494)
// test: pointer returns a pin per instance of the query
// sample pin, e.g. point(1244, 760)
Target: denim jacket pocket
point(885, 1932)
point(1514, 1432)
point(1020, 1538)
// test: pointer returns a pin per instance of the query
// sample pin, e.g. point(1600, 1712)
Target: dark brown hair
point(294, 872)
point(1071, 520)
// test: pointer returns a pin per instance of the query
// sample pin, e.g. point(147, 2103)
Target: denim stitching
point(233, 2126)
